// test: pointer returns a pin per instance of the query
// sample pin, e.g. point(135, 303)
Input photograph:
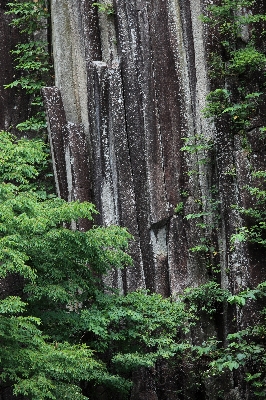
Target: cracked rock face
point(134, 84)
point(136, 81)
point(129, 88)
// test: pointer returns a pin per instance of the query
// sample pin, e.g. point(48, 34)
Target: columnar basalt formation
point(137, 81)
point(129, 87)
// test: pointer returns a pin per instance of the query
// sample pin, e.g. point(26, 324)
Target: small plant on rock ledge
point(107, 9)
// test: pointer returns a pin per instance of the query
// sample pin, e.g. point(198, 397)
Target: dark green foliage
point(60, 268)
point(67, 327)
point(32, 59)
point(229, 17)
point(138, 328)
point(107, 9)
point(237, 75)
point(246, 348)
point(241, 64)
point(30, 16)
point(205, 298)
point(255, 231)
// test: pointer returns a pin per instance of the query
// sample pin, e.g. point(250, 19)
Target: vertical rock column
point(111, 164)
point(77, 168)
point(56, 120)
point(144, 87)
point(69, 152)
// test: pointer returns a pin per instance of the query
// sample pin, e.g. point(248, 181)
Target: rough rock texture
point(137, 82)
point(69, 152)
point(129, 87)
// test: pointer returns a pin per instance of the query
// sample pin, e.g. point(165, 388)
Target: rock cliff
point(130, 85)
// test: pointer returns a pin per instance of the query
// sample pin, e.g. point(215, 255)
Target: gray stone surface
point(128, 88)
point(137, 81)
point(56, 121)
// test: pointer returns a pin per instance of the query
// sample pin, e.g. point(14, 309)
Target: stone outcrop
point(129, 86)
point(137, 82)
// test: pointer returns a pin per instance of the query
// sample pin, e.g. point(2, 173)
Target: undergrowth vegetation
point(63, 333)
point(237, 104)
point(32, 58)
point(63, 326)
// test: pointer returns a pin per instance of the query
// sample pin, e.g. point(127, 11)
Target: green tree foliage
point(60, 269)
point(255, 231)
point(108, 9)
point(67, 327)
point(241, 63)
point(31, 56)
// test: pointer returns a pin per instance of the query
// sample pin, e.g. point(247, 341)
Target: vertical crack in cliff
point(137, 239)
point(157, 102)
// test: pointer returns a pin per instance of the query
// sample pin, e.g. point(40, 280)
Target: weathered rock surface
point(129, 88)
point(137, 82)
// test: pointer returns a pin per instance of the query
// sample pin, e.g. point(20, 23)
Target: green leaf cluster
point(64, 326)
point(30, 16)
point(107, 9)
point(240, 62)
point(229, 17)
point(32, 59)
point(255, 231)
point(58, 269)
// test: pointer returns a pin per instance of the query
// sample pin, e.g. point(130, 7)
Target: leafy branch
point(32, 59)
